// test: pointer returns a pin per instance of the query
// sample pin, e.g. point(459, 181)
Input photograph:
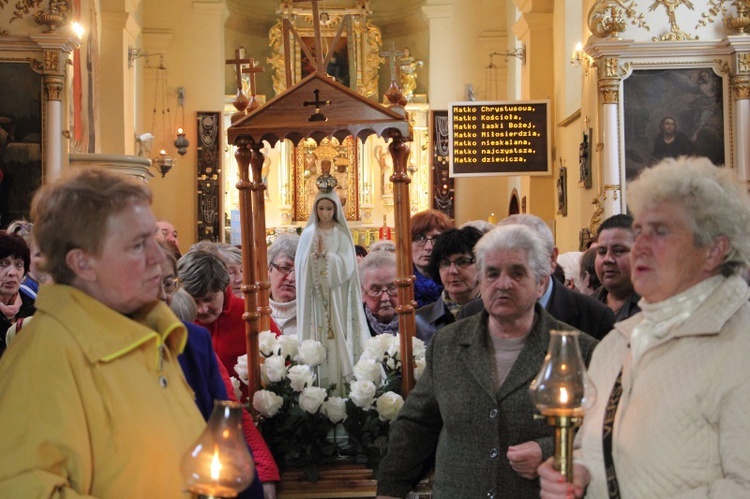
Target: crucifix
point(238, 62)
point(392, 54)
point(318, 116)
point(251, 71)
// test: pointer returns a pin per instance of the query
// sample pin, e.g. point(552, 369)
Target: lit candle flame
point(215, 466)
point(163, 152)
point(77, 29)
point(180, 131)
point(563, 395)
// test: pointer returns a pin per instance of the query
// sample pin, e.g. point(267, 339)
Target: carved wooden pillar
point(261, 281)
point(399, 149)
point(244, 155)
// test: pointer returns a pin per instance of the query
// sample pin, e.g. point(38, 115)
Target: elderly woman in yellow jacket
point(94, 402)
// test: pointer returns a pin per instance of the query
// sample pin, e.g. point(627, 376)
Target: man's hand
point(525, 458)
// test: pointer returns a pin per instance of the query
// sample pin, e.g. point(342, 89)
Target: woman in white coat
point(676, 373)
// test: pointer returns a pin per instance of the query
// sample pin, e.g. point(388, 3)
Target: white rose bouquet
point(295, 416)
point(375, 396)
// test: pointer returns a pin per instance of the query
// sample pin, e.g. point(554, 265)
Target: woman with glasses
point(452, 265)
point(425, 227)
point(377, 272)
point(283, 299)
point(329, 302)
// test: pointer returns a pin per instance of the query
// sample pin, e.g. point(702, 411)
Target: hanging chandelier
point(162, 124)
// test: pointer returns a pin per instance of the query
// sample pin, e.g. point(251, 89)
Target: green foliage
point(295, 437)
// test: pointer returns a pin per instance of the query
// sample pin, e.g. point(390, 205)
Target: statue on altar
point(408, 66)
point(329, 300)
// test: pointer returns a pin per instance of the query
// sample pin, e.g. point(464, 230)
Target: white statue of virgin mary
point(329, 300)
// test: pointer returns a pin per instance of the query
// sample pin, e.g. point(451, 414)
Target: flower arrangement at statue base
point(296, 418)
point(302, 423)
point(375, 397)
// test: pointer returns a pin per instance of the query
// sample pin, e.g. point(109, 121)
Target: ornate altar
point(356, 56)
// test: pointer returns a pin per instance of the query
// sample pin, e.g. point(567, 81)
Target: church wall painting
point(672, 112)
point(20, 138)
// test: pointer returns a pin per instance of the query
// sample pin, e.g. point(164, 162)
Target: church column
point(609, 82)
point(740, 88)
point(117, 113)
point(442, 55)
point(534, 29)
point(609, 92)
point(56, 49)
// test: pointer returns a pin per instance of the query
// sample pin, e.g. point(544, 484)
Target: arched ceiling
point(257, 16)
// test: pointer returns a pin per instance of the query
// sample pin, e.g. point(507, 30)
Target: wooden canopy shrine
point(317, 107)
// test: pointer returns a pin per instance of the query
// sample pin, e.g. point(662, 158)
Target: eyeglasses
point(283, 269)
point(378, 292)
point(170, 284)
point(460, 263)
point(421, 240)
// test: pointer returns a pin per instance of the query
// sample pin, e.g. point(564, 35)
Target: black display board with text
point(500, 138)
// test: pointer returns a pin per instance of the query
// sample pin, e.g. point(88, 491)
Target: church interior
point(610, 71)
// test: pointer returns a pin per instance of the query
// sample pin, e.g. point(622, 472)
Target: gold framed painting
point(356, 56)
point(330, 156)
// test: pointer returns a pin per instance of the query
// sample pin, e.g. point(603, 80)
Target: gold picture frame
point(310, 162)
point(361, 39)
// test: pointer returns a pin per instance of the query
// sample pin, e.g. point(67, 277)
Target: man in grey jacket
point(471, 411)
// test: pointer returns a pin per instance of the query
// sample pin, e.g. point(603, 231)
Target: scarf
point(10, 311)
point(379, 327)
point(283, 312)
point(660, 318)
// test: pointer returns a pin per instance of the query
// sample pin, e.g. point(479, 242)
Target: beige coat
point(682, 427)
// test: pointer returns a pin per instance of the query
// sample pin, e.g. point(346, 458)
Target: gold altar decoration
point(359, 47)
point(740, 22)
point(310, 162)
point(606, 20)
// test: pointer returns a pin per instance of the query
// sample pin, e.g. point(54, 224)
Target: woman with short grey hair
point(520, 238)
point(680, 365)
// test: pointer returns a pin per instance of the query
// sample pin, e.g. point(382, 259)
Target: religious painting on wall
point(338, 65)
point(209, 181)
point(339, 159)
point(20, 138)
point(671, 113)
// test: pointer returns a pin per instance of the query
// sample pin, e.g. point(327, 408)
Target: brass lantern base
point(565, 424)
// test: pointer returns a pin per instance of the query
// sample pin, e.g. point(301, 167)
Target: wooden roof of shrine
point(319, 107)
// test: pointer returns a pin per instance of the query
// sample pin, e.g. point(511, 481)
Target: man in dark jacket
point(471, 409)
